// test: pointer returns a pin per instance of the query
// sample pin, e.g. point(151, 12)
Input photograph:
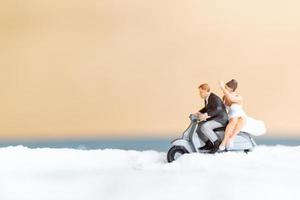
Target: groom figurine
point(212, 116)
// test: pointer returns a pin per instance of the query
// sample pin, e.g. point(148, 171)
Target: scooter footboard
point(183, 143)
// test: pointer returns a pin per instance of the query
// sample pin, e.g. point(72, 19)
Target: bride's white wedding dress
point(252, 126)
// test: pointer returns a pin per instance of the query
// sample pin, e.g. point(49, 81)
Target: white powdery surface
point(271, 172)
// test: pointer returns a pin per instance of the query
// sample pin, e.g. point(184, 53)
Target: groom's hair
point(204, 86)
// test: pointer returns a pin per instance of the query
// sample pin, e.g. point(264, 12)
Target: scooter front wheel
point(175, 152)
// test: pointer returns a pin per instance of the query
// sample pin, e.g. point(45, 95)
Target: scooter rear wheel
point(175, 152)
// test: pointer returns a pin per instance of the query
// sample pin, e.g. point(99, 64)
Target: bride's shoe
point(221, 147)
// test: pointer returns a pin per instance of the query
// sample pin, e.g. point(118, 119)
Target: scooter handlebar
point(193, 117)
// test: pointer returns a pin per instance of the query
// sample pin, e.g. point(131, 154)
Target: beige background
point(131, 68)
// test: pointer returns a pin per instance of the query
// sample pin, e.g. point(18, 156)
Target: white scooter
point(190, 141)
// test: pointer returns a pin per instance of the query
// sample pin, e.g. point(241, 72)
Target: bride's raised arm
point(228, 95)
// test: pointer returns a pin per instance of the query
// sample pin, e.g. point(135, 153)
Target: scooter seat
point(220, 129)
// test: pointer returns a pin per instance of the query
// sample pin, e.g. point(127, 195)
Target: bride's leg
point(238, 127)
point(228, 131)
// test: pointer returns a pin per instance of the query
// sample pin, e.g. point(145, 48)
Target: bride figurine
point(238, 120)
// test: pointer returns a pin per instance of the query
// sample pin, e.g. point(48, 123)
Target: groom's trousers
point(205, 130)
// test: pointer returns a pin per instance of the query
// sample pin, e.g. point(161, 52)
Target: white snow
point(269, 172)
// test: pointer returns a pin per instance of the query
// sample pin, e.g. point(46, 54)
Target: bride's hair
point(232, 84)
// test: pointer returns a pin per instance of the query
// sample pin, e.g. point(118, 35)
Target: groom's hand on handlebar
point(197, 114)
point(203, 117)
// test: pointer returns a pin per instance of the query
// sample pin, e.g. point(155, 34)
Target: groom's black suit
point(216, 109)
